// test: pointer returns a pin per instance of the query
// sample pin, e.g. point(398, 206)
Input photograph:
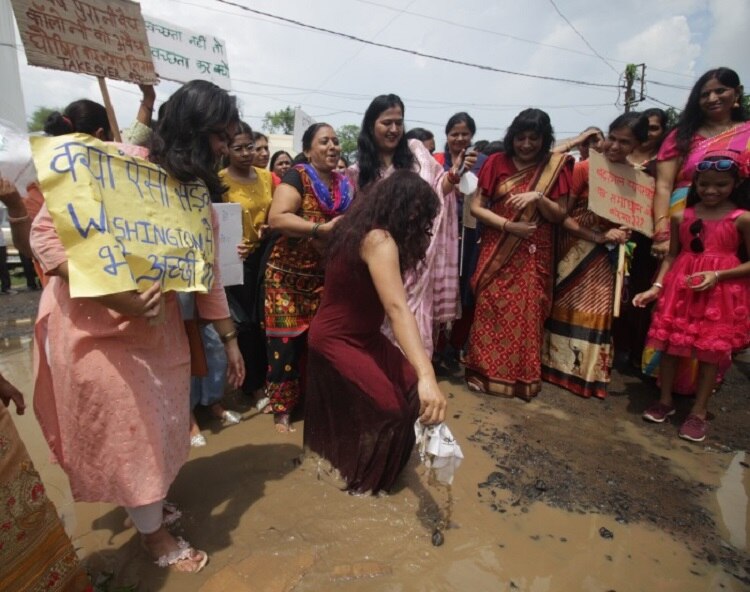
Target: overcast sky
point(334, 78)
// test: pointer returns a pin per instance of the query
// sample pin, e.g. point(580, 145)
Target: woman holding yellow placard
point(110, 381)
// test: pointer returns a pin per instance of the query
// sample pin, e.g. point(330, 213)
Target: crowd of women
point(360, 280)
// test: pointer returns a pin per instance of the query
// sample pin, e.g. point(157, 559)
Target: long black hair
point(181, 142)
point(368, 155)
point(692, 116)
point(82, 116)
point(403, 204)
point(530, 120)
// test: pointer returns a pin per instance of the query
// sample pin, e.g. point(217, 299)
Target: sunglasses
point(696, 244)
point(722, 165)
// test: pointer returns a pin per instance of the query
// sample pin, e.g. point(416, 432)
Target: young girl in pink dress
point(702, 287)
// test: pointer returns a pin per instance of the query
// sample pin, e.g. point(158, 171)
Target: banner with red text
point(98, 37)
point(622, 194)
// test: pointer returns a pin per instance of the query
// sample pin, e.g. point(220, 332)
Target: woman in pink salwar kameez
point(111, 385)
point(432, 288)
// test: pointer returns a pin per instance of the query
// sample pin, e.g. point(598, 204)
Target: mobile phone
point(462, 168)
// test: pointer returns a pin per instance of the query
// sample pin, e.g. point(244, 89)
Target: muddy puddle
point(560, 494)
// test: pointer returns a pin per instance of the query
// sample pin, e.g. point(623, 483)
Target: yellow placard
point(123, 221)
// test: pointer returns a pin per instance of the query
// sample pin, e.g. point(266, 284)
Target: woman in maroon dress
point(363, 394)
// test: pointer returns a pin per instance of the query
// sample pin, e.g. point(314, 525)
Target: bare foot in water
point(282, 423)
point(172, 552)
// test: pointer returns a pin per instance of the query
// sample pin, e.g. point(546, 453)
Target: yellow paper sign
point(621, 194)
point(123, 221)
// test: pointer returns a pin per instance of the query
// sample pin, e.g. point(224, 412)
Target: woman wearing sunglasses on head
point(702, 289)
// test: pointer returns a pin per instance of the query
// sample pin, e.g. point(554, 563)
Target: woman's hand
point(660, 249)
point(520, 200)
point(235, 364)
point(10, 393)
point(262, 231)
point(432, 402)
point(465, 160)
point(9, 194)
point(135, 304)
point(644, 298)
point(243, 249)
point(616, 235)
point(521, 229)
point(703, 280)
point(323, 234)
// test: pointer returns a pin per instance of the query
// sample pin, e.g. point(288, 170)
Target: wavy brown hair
point(404, 205)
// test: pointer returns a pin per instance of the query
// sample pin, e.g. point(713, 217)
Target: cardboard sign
point(621, 194)
point(123, 221)
point(301, 122)
point(229, 216)
point(100, 37)
point(183, 55)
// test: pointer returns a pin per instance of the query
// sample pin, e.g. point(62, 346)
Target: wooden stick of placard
point(110, 110)
point(619, 279)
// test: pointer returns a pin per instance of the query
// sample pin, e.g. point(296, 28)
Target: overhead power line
point(414, 52)
point(577, 32)
point(506, 35)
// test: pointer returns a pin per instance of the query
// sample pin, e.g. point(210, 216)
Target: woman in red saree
point(521, 192)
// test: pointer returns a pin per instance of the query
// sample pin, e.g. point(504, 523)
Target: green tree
point(348, 135)
point(279, 122)
point(672, 116)
point(38, 117)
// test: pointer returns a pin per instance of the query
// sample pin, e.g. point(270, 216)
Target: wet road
point(675, 515)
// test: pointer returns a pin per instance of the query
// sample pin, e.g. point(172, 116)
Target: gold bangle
point(227, 337)
point(13, 220)
point(503, 225)
point(657, 285)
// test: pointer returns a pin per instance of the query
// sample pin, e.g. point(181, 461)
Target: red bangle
point(661, 236)
point(453, 178)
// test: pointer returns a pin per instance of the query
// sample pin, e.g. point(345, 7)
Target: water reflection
point(733, 500)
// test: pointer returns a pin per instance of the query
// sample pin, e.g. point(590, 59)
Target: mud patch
point(582, 457)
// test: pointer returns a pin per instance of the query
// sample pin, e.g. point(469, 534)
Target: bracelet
point(597, 235)
point(539, 195)
point(13, 220)
point(227, 337)
point(453, 178)
point(314, 231)
point(657, 285)
point(716, 273)
point(661, 236)
point(503, 225)
point(660, 218)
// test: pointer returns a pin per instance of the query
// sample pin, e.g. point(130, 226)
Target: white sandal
point(184, 552)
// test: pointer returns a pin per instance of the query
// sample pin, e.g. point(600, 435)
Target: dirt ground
point(558, 494)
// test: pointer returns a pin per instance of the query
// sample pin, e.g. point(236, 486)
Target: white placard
point(16, 163)
point(301, 122)
point(230, 235)
point(183, 55)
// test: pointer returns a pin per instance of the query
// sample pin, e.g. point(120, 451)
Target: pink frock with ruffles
point(111, 392)
point(712, 323)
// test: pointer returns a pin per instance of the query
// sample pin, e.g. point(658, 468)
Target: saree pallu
point(577, 351)
point(736, 139)
point(35, 552)
point(513, 286)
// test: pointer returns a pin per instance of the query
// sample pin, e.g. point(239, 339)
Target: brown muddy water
point(561, 494)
